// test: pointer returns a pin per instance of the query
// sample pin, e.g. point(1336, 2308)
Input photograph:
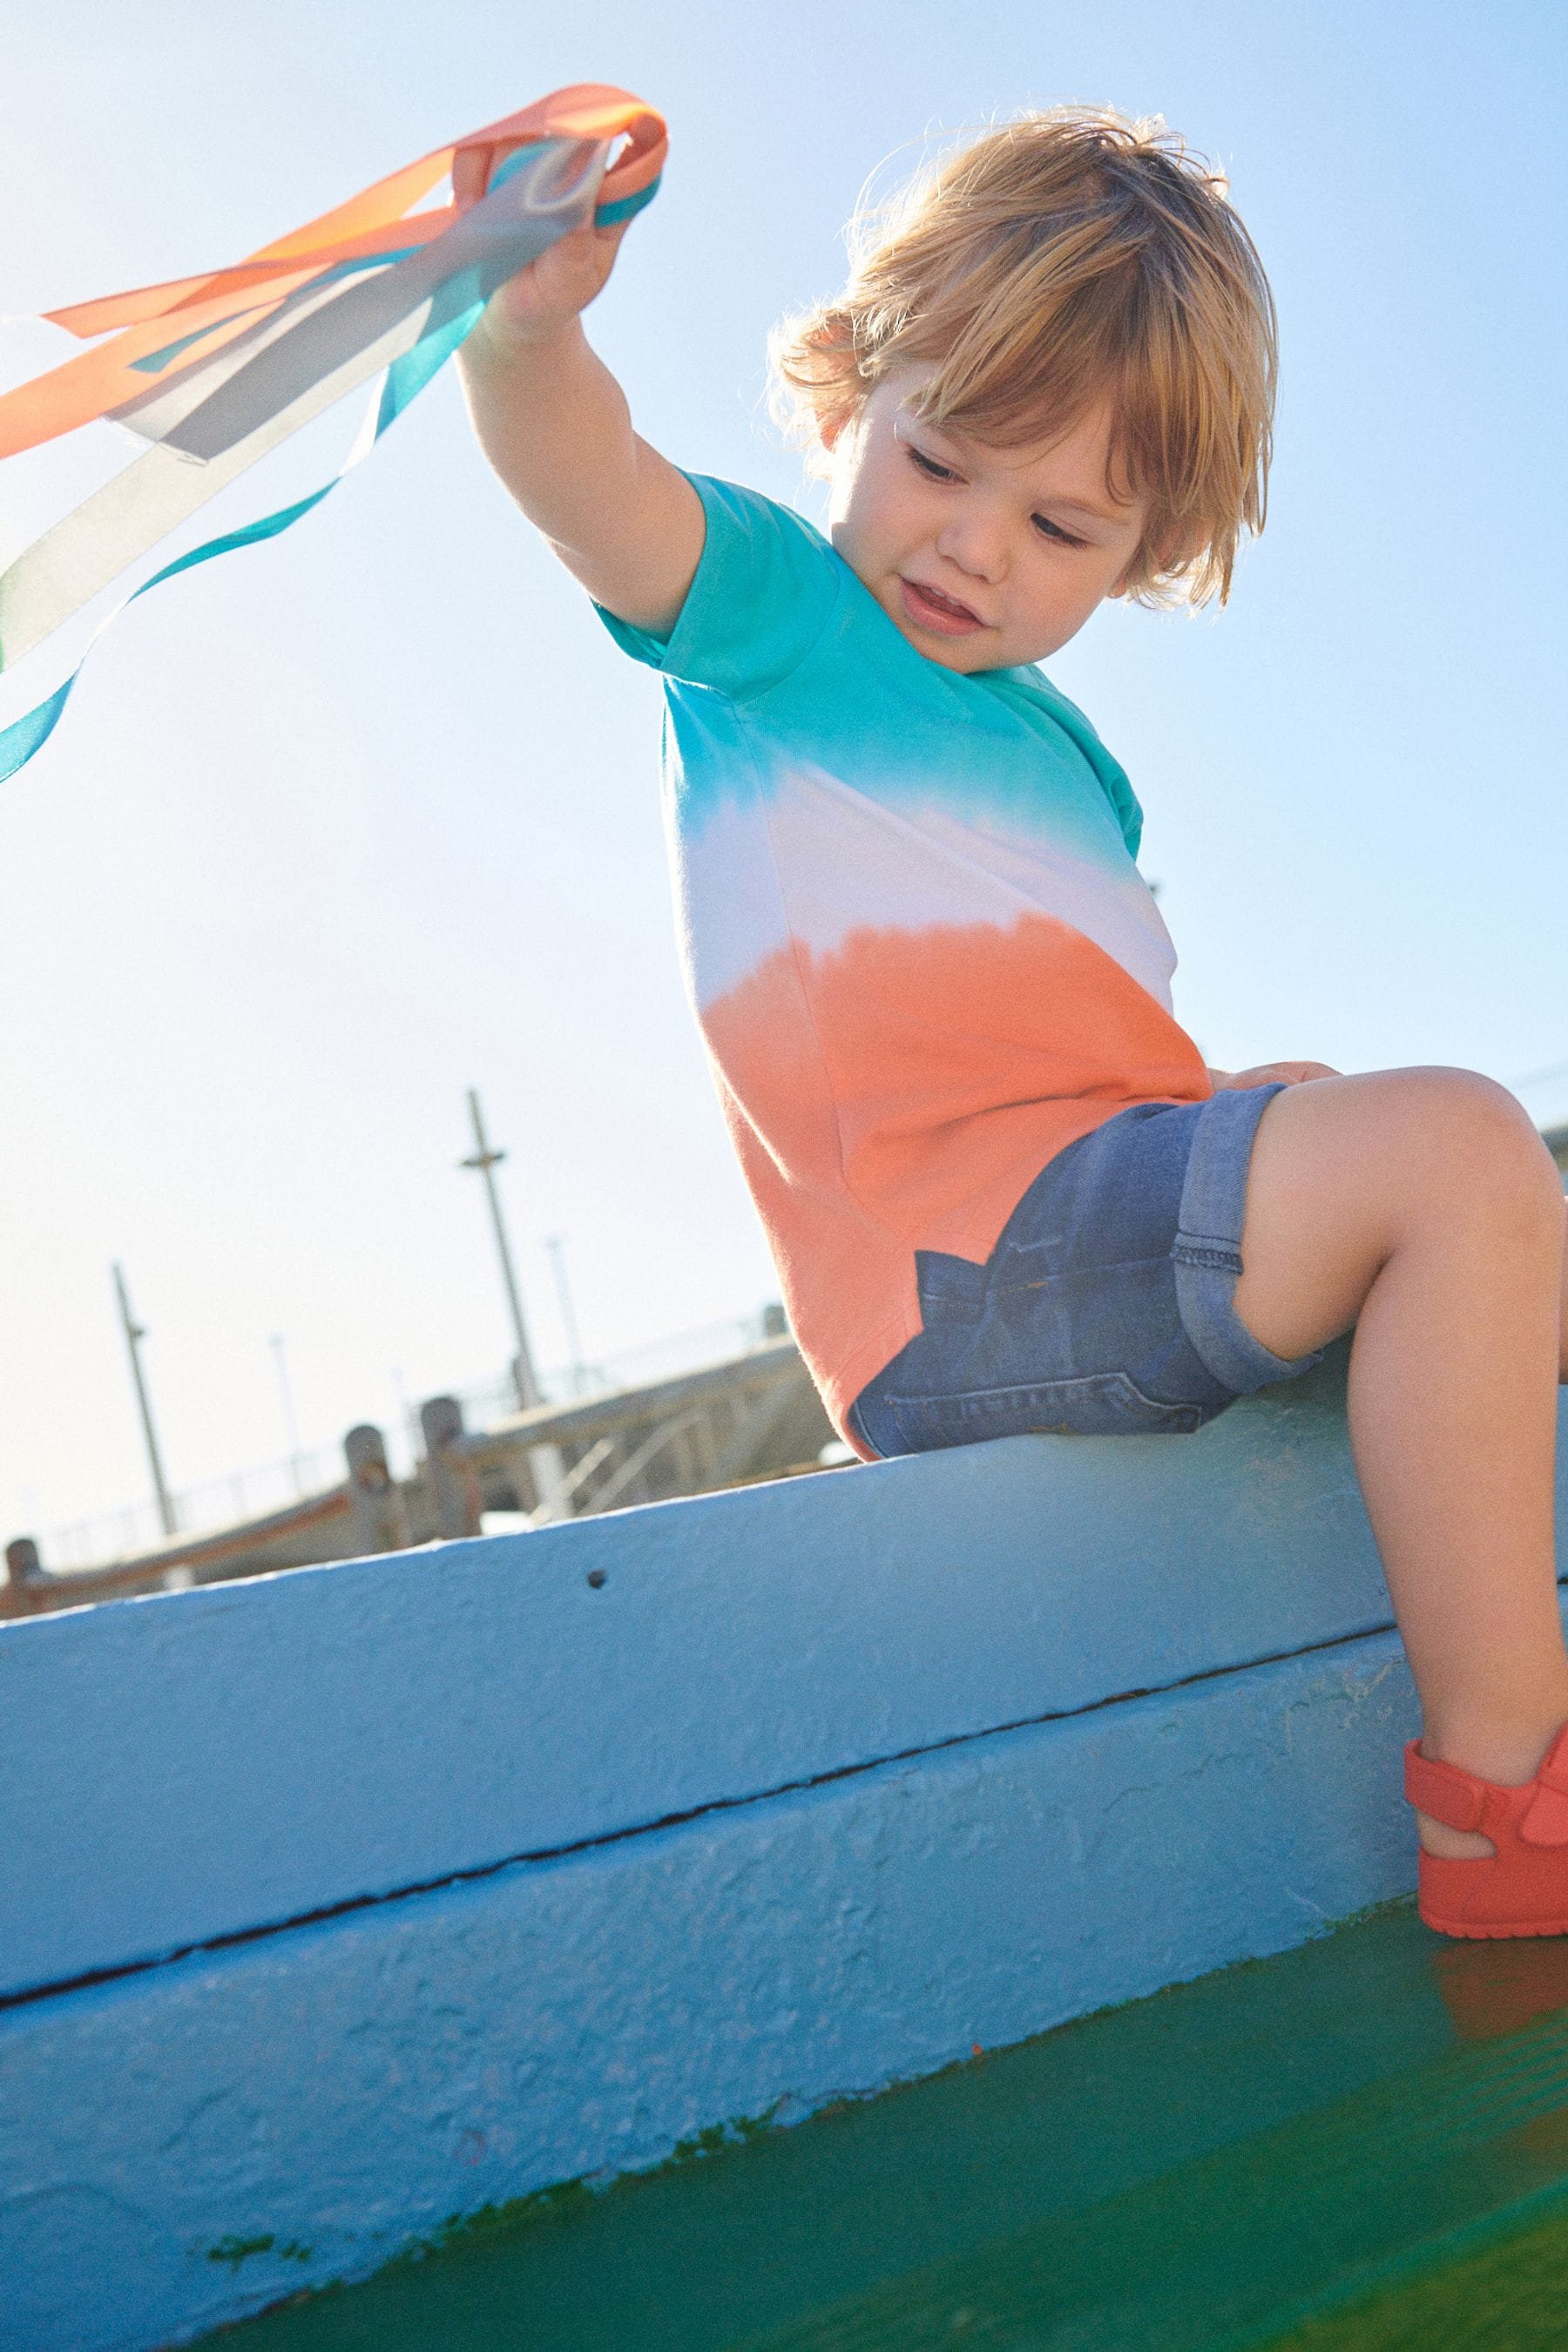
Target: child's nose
point(975, 542)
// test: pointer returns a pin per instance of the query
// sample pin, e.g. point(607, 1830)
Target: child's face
point(983, 557)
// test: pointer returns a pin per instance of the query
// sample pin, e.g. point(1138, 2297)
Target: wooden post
point(454, 1483)
point(380, 1521)
point(25, 1575)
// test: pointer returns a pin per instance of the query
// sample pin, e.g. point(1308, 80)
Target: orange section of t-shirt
point(902, 1092)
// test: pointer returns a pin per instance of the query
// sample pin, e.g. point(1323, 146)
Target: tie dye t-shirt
point(921, 955)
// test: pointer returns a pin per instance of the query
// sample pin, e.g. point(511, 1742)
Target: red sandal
point(1522, 1888)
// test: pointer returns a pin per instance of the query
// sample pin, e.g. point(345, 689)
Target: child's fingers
point(1289, 1074)
point(562, 282)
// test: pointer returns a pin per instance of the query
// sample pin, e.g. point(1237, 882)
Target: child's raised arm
point(554, 423)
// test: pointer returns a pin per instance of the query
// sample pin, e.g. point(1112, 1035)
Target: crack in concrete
point(479, 1871)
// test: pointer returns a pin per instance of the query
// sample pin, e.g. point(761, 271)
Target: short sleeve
point(1123, 800)
point(764, 588)
point(1109, 773)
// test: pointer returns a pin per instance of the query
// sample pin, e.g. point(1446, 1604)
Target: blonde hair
point(1062, 258)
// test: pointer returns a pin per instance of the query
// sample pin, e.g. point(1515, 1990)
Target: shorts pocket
point(1103, 1404)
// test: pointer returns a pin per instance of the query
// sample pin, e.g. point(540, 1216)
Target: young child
point(1002, 1190)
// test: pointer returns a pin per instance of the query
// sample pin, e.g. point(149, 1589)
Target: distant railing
point(631, 1367)
point(755, 1413)
point(267, 1487)
point(214, 1503)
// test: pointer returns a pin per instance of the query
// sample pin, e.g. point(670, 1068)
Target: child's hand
point(1267, 1074)
point(547, 296)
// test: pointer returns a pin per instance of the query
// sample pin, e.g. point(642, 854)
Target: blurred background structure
point(706, 1410)
point(750, 1414)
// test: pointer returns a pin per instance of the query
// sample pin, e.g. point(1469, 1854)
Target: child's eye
point(929, 465)
point(1053, 530)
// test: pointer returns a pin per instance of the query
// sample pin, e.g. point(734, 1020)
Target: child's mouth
point(929, 608)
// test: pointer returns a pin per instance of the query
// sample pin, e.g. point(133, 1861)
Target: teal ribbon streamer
point(402, 382)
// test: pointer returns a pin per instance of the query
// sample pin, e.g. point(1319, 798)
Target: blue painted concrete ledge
point(341, 1902)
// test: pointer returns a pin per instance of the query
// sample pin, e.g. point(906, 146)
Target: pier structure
point(754, 1415)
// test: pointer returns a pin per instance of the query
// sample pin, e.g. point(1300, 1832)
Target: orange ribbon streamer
point(201, 314)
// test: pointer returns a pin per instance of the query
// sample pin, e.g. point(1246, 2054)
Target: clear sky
point(341, 827)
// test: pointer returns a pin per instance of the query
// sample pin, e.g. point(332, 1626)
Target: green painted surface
point(1361, 2143)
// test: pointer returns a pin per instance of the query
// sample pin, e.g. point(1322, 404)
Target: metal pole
point(487, 1162)
point(557, 1248)
point(287, 1396)
point(134, 1335)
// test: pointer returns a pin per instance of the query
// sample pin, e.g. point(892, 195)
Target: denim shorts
point(1105, 1309)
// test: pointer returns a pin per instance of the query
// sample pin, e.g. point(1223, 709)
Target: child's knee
point(1483, 1144)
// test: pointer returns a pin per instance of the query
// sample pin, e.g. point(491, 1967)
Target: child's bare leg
point(1421, 1205)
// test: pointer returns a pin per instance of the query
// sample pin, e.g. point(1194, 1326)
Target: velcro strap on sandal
point(1546, 1823)
point(1450, 1794)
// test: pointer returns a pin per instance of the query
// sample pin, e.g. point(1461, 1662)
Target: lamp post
point(286, 1398)
point(134, 1335)
point(487, 1160)
point(557, 1248)
point(544, 1461)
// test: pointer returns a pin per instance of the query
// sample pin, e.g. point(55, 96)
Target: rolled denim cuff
point(1207, 1247)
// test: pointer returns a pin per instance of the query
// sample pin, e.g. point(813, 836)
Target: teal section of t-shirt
point(779, 656)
